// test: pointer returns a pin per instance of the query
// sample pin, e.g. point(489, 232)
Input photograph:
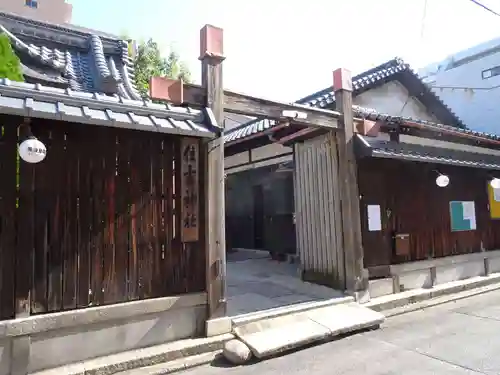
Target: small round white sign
point(32, 151)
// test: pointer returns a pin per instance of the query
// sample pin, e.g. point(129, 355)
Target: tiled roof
point(371, 114)
point(34, 100)
point(79, 75)
point(253, 127)
point(413, 152)
point(77, 58)
point(393, 69)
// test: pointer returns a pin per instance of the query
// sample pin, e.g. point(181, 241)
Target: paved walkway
point(457, 338)
point(255, 282)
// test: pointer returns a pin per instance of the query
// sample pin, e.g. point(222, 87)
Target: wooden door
point(258, 216)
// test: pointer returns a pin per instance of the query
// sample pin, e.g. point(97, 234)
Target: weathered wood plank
point(85, 222)
point(168, 182)
point(157, 229)
point(70, 222)
point(54, 263)
point(351, 221)
point(135, 206)
point(144, 219)
point(122, 216)
point(197, 255)
point(42, 218)
point(25, 236)
point(98, 220)
point(8, 195)
point(109, 257)
point(258, 107)
point(212, 82)
point(177, 245)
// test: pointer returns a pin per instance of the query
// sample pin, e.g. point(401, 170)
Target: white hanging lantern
point(495, 183)
point(32, 150)
point(442, 180)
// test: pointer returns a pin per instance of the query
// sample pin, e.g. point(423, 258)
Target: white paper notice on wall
point(496, 195)
point(374, 218)
point(470, 213)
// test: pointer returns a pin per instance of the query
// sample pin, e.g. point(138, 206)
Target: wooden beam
point(258, 107)
point(356, 280)
point(211, 56)
point(25, 232)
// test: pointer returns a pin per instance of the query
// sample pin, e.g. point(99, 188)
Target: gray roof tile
point(84, 61)
point(373, 115)
point(422, 153)
point(254, 127)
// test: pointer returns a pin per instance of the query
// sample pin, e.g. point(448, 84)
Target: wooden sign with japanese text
point(190, 190)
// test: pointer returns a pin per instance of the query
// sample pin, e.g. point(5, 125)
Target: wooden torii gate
point(212, 94)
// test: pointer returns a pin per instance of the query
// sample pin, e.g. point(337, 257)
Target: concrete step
point(270, 336)
point(244, 319)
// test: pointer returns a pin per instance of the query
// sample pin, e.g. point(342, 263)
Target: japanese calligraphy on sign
point(190, 190)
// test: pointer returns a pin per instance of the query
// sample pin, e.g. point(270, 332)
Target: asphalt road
point(455, 338)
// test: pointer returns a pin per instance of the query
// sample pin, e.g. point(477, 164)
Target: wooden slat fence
point(317, 208)
point(97, 222)
point(411, 203)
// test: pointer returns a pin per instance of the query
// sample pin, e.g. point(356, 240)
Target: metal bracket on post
point(211, 121)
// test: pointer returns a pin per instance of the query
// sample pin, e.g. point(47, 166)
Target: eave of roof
point(28, 72)
point(371, 147)
point(28, 100)
point(370, 114)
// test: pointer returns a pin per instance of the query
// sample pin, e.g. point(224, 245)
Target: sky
point(287, 49)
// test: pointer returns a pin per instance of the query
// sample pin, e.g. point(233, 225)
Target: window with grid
point(32, 3)
point(492, 72)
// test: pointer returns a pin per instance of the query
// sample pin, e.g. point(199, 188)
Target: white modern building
point(53, 11)
point(469, 83)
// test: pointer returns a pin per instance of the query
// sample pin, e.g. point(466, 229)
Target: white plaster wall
point(47, 341)
point(380, 287)
point(238, 159)
point(415, 279)
point(5, 356)
point(393, 99)
point(494, 264)
point(279, 152)
point(453, 272)
point(272, 150)
point(55, 11)
point(59, 347)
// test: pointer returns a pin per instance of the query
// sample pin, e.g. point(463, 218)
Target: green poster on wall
point(462, 216)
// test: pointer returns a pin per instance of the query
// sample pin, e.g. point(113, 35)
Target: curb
point(422, 298)
point(176, 352)
point(177, 365)
point(439, 301)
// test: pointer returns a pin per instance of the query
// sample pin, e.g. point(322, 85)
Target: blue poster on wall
point(462, 216)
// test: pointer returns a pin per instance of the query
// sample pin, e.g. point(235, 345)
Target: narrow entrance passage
point(255, 282)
